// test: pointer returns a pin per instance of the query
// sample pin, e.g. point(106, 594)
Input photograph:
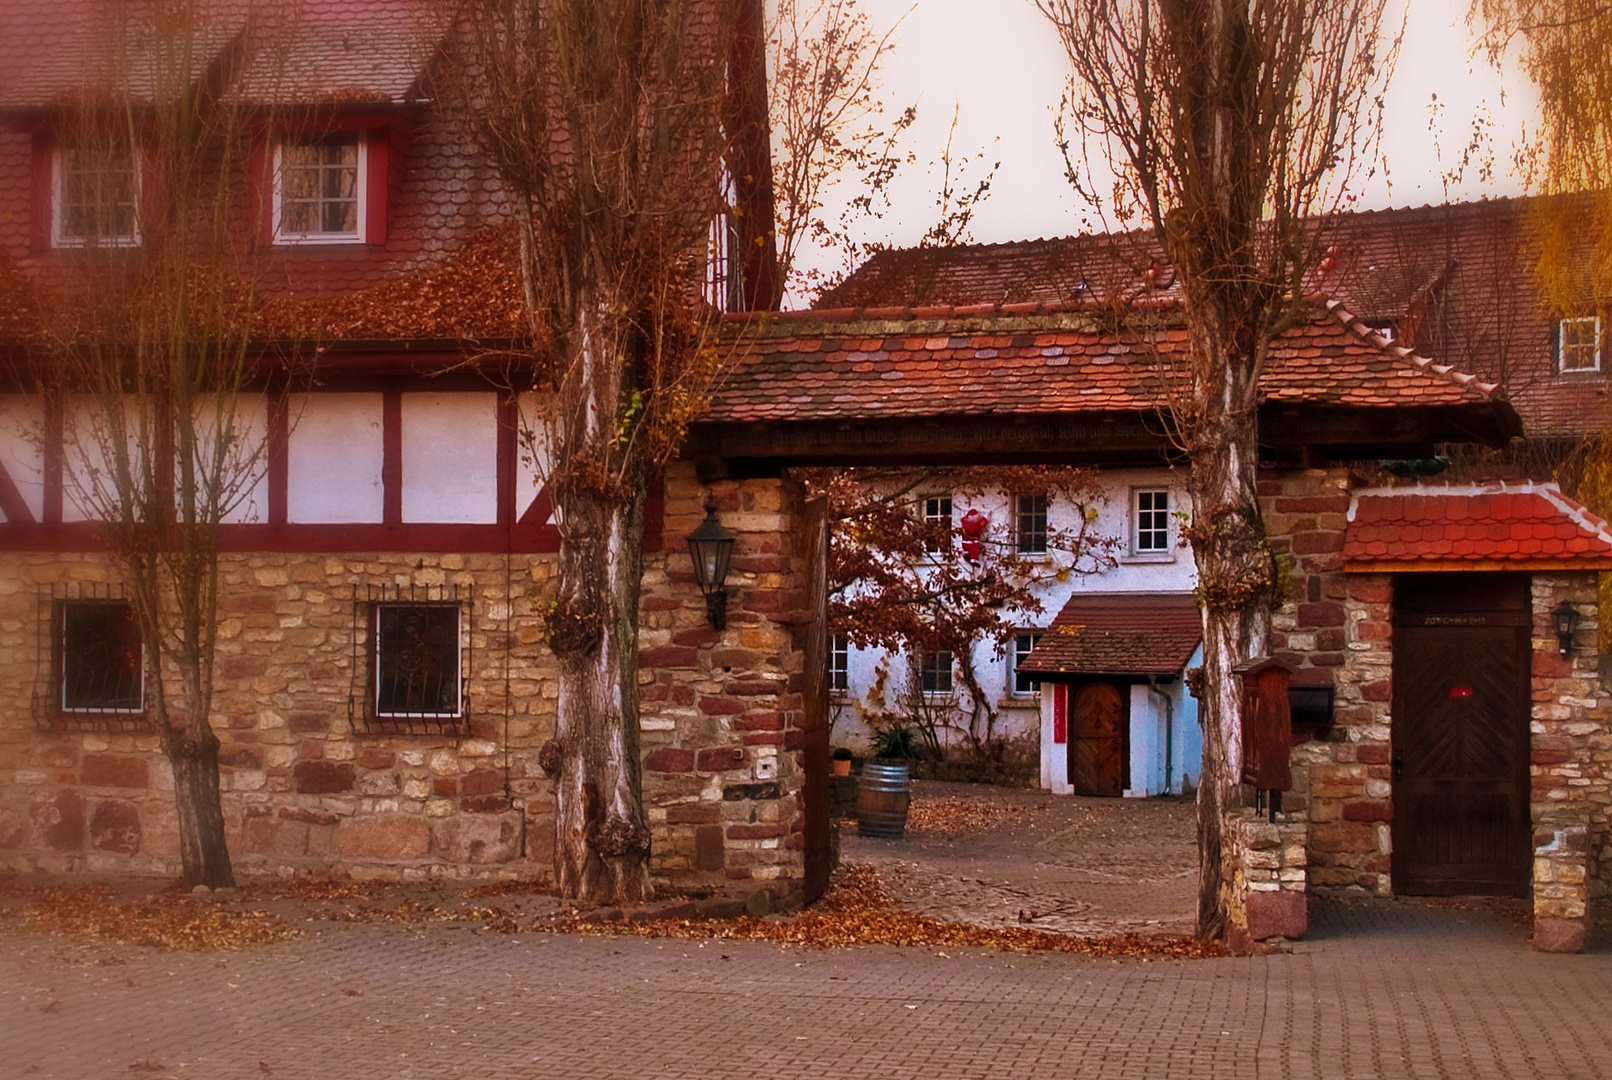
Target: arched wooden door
point(1099, 734)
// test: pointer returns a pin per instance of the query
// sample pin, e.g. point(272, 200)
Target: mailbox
point(1267, 724)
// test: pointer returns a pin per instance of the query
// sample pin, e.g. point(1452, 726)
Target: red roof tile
point(801, 366)
point(1489, 526)
point(1119, 634)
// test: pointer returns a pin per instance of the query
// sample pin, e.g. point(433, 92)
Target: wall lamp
point(1567, 617)
point(711, 547)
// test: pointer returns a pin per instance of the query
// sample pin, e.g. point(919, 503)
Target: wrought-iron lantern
point(711, 547)
point(1566, 616)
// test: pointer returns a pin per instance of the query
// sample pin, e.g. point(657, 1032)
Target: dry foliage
point(859, 912)
point(166, 920)
point(950, 814)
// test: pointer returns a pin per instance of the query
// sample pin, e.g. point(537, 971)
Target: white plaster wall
point(531, 452)
point(87, 480)
point(335, 458)
point(450, 458)
point(246, 470)
point(22, 426)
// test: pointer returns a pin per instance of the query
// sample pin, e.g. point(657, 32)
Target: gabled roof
point(1139, 634)
point(1495, 526)
point(1026, 359)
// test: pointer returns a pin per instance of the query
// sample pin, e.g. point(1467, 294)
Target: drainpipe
point(1169, 733)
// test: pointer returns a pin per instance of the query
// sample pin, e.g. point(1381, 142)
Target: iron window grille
point(319, 190)
point(416, 652)
point(1578, 344)
point(1151, 523)
point(1022, 645)
point(96, 197)
point(839, 664)
point(1030, 524)
point(96, 661)
point(937, 511)
point(935, 671)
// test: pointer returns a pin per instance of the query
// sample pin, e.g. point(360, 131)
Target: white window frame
point(949, 517)
point(950, 672)
point(58, 207)
point(1018, 518)
point(61, 665)
point(1561, 345)
point(361, 182)
point(839, 664)
point(458, 711)
point(1137, 551)
point(1014, 659)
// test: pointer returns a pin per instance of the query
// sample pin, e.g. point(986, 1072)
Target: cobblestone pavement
point(1061, 863)
point(1382, 990)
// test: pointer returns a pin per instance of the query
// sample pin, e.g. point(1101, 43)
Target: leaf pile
point(950, 814)
point(165, 920)
point(513, 887)
point(859, 912)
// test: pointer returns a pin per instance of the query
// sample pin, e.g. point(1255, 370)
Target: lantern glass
point(711, 547)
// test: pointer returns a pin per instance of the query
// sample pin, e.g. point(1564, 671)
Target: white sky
point(1000, 61)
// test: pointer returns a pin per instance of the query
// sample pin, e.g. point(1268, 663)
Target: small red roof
point(1119, 634)
point(1024, 359)
point(1497, 526)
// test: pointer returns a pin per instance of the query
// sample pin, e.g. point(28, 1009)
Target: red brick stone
point(682, 695)
point(759, 721)
point(1370, 592)
point(1559, 935)
point(795, 740)
point(324, 777)
point(444, 787)
point(322, 672)
point(485, 804)
point(304, 722)
point(669, 656)
point(53, 755)
point(700, 813)
point(242, 667)
point(115, 770)
point(1542, 756)
point(659, 603)
point(384, 836)
point(710, 849)
point(756, 687)
point(720, 759)
point(1371, 630)
point(712, 705)
point(307, 816)
point(57, 819)
point(670, 759)
point(1381, 690)
point(1317, 543)
point(1372, 753)
point(1313, 504)
point(756, 832)
point(1551, 665)
point(701, 638)
point(655, 692)
point(482, 782)
point(1317, 615)
point(377, 759)
point(1277, 914)
point(765, 738)
point(1369, 810)
point(240, 757)
point(760, 564)
point(115, 827)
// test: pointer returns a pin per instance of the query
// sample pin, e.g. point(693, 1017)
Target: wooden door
point(1460, 735)
point(1099, 737)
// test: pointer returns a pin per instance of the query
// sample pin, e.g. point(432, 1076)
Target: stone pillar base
point(1559, 935)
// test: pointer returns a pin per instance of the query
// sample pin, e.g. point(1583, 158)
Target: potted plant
point(840, 762)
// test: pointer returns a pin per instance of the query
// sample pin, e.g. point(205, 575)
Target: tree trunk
point(202, 851)
point(1235, 586)
point(601, 842)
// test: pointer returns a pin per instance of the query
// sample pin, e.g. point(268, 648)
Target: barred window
point(1030, 524)
point(101, 658)
point(417, 661)
point(96, 197)
point(319, 189)
point(1151, 522)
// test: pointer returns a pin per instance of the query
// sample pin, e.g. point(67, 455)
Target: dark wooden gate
point(814, 691)
point(1460, 734)
point(1099, 737)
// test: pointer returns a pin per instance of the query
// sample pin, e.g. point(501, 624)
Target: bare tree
point(152, 355)
point(1229, 124)
point(604, 118)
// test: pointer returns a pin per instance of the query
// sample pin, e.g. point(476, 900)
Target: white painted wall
point(246, 466)
point(450, 458)
point(335, 458)
point(22, 426)
point(531, 452)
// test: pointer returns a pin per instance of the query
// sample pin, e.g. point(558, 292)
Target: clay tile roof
point(1052, 359)
point(1498, 526)
point(1119, 634)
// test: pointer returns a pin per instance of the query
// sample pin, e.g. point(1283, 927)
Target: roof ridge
point(913, 312)
point(1374, 338)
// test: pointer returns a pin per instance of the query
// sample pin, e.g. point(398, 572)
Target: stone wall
point(307, 790)
point(1266, 865)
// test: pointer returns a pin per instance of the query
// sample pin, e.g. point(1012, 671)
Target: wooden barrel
point(882, 799)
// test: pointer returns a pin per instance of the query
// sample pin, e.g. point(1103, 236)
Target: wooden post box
point(1267, 724)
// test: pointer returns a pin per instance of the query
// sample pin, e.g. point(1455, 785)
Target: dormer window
point(1578, 344)
point(96, 198)
point(320, 190)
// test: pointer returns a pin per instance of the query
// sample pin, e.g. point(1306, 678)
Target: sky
point(1001, 63)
